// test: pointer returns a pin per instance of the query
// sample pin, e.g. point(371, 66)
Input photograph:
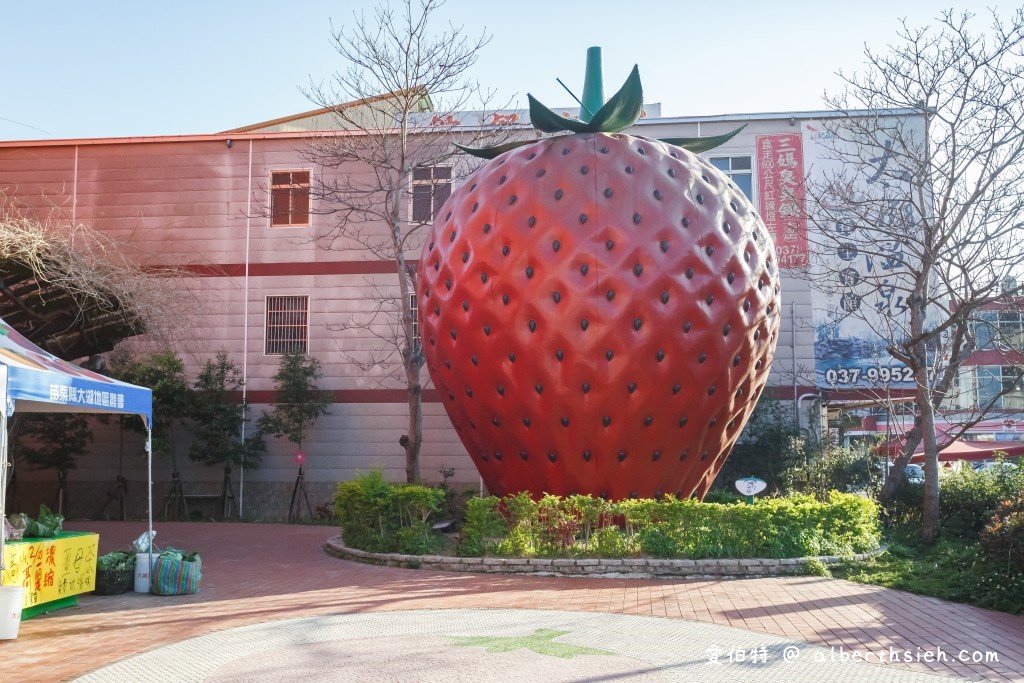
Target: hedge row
point(378, 516)
point(795, 526)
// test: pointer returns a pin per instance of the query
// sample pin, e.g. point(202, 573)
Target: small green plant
point(815, 567)
point(379, 516)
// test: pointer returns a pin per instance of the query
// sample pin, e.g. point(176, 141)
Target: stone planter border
point(641, 568)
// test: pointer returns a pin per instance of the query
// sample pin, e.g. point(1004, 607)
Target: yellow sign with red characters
point(51, 568)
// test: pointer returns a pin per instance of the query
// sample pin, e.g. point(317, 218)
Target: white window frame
point(267, 327)
point(730, 173)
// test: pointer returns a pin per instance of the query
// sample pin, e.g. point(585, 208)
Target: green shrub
point(378, 516)
point(1002, 539)
point(815, 567)
point(793, 526)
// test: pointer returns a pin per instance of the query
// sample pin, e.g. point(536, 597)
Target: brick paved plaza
point(275, 606)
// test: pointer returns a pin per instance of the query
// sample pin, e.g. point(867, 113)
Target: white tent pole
point(149, 492)
point(3, 462)
point(245, 333)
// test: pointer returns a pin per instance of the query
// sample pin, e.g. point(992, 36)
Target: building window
point(993, 379)
point(287, 324)
point(289, 198)
point(1001, 330)
point(431, 186)
point(739, 170)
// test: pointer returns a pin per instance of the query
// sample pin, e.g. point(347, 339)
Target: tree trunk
point(415, 433)
point(930, 508)
point(896, 474)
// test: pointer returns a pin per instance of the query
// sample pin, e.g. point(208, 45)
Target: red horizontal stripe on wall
point(292, 268)
point(355, 396)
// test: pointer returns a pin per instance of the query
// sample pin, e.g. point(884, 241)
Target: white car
point(914, 474)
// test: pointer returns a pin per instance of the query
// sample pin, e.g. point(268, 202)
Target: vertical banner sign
point(780, 189)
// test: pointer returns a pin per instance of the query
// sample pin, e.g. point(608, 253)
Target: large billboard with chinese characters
point(858, 267)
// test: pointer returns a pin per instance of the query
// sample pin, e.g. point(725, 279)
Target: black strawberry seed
point(683, 420)
point(660, 355)
point(465, 306)
point(559, 194)
point(746, 256)
point(709, 250)
point(540, 173)
point(676, 388)
point(473, 360)
point(606, 420)
point(711, 390)
point(512, 357)
point(476, 205)
point(636, 219)
point(608, 192)
point(648, 421)
point(504, 299)
point(538, 388)
point(559, 355)
point(727, 228)
point(735, 361)
point(710, 299)
point(565, 422)
point(496, 422)
point(664, 247)
point(746, 306)
point(586, 455)
point(584, 170)
point(610, 294)
point(504, 250)
point(608, 354)
point(487, 228)
point(501, 390)
point(704, 455)
point(725, 330)
point(687, 326)
point(637, 324)
point(583, 218)
point(702, 357)
point(483, 278)
point(682, 456)
point(632, 387)
point(451, 237)
point(532, 221)
point(672, 171)
point(523, 455)
point(586, 387)
point(557, 296)
point(664, 297)
point(641, 150)
point(526, 422)
point(465, 256)
point(700, 199)
point(512, 200)
point(501, 180)
point(583, 269)
point(430, 247)
point(656, 456)
point(686, 222)
point(638, 269)
point(497, 455)
point(556, 245)
point(533, 326)
point(731, 278)
point(552, 457)
point(609, 244)
point(705, 179)
point(584, 324)
point(689, 273)
point(629, 169)
point(565, 150)
point(487, 330)
point(714, 421)
point(529, 272)
point(622, 456)
point(657, 194)
point(532, 155)
point(469, 392)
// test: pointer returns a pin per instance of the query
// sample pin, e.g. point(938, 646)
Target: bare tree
point(73, 292)
point(401, 101)
point(920, 213)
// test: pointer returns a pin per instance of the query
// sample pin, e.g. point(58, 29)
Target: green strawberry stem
point(614, 116)
point(593, 85)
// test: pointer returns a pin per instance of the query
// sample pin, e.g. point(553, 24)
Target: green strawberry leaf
point(496, 150)
point(623, 109)
point(698, 145)
point(547, 121)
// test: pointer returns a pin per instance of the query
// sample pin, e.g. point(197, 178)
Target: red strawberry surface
point(599, 314)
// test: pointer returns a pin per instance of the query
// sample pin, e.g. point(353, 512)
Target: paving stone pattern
point(267, 577)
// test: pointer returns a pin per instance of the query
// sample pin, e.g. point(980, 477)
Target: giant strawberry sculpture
point(599, 310)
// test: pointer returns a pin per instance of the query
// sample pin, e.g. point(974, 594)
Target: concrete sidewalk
point(307, 616)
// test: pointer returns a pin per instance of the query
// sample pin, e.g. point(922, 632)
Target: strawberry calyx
point(620, 112)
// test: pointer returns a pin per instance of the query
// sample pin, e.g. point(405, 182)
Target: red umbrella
point(957, 450)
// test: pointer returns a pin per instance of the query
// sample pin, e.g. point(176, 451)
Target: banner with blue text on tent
point(39, 381)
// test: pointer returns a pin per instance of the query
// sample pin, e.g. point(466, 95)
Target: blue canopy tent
point(34, 381)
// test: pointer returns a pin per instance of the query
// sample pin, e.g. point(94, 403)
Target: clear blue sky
point(103, 68)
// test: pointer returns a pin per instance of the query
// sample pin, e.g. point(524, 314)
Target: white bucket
point(143, 564)
point(11, 600)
